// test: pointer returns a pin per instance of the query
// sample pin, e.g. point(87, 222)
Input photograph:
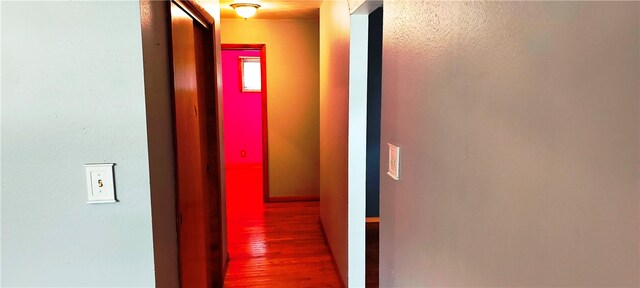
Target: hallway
point(278, 245)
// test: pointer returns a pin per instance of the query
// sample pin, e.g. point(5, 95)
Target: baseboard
point(293, 198)
point(226, 268)
point(333, 259)
point(237, 166)
point(372, 220)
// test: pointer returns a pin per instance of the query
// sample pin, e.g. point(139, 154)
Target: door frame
point(357, 156)
point(210, 144)
point(263, 93)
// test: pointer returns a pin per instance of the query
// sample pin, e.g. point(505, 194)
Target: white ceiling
point(275, 9)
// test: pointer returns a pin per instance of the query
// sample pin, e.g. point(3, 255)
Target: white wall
point(519, 129)
point(343, 124)
point(334, 121)
point(358, 58)
point(72, 94)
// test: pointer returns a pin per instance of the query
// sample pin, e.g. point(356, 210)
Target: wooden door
point(197, 161)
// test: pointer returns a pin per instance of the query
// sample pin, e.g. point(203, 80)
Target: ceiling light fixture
point(245, 10)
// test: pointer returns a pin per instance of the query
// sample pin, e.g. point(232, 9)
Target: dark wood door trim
point(197, 12)
point(207, 107)
point(265, 126)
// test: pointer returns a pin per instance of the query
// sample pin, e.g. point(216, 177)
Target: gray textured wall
point(72, 93)
point(518, 124)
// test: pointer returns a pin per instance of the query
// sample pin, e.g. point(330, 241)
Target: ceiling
point(275, 9)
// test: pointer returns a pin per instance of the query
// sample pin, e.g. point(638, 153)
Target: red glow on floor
point(244, 203)
point(244, 192)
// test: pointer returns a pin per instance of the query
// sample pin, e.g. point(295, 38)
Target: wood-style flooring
point(372, 254)
point(279, 245)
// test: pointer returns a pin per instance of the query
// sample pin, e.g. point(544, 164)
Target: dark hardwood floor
point(372, 254)
point(279, 245)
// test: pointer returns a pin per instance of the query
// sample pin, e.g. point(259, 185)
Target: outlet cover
point(100, 183)
point(394, 161)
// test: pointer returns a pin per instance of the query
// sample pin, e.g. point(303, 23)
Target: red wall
point(242, 114)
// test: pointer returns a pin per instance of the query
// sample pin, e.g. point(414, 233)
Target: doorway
point(374, 103)
point(245, 128)
point(365, 66)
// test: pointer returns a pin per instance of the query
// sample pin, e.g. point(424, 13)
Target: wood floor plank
point(280, 246)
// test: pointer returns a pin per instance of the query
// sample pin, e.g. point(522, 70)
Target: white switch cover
point(100, 183)
point(394, 161)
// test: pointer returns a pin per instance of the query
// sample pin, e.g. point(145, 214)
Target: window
point(250, 74)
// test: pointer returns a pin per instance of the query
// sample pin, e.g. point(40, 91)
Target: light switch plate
point(100, 183)
point(394, 161)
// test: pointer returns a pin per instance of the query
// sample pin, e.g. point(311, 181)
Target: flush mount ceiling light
point(245, 10)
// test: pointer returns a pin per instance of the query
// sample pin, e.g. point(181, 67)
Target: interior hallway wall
point(518, 124)
point(292, 47)
point(334, 124)
point(73, 93)
point(242, 114)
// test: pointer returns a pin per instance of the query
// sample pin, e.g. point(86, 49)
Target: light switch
point(100, 183)
point(394, 161)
